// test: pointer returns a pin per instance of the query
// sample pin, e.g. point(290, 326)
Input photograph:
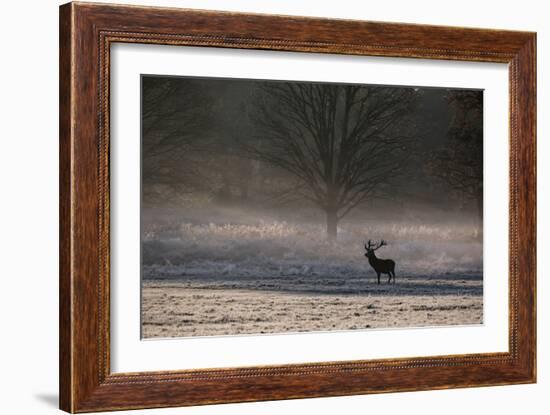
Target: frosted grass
point(269, 248)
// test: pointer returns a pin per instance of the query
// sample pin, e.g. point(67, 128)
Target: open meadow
point(275, 277)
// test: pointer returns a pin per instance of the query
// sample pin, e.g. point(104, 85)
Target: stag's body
point(380, 266)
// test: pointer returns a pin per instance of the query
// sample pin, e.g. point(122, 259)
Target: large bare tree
point(343, 143)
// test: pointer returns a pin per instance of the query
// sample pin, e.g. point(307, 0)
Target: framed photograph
point(258, 207)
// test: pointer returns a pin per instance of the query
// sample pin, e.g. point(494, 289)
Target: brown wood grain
point(65, 276)
point(86, 33)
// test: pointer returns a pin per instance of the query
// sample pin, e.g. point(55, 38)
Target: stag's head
point(370, 248)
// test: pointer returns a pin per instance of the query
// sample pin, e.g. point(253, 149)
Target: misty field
point(270, 276)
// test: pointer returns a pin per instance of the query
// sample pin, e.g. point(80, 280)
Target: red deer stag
point(380, 266)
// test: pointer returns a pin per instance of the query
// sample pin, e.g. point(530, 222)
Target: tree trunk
point(332, 224)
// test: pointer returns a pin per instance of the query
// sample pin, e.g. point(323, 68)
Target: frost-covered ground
point(266, 277)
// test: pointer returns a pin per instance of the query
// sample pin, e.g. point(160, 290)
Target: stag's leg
point(389, 277)
point(378, 277)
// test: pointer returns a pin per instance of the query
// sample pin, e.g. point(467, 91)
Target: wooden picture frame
point(86, 33)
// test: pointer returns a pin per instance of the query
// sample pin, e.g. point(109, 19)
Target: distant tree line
point(335, 146)
point(460, 162)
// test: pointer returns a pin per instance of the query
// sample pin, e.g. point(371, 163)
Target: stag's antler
point(375, 246)
point(381, 244)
